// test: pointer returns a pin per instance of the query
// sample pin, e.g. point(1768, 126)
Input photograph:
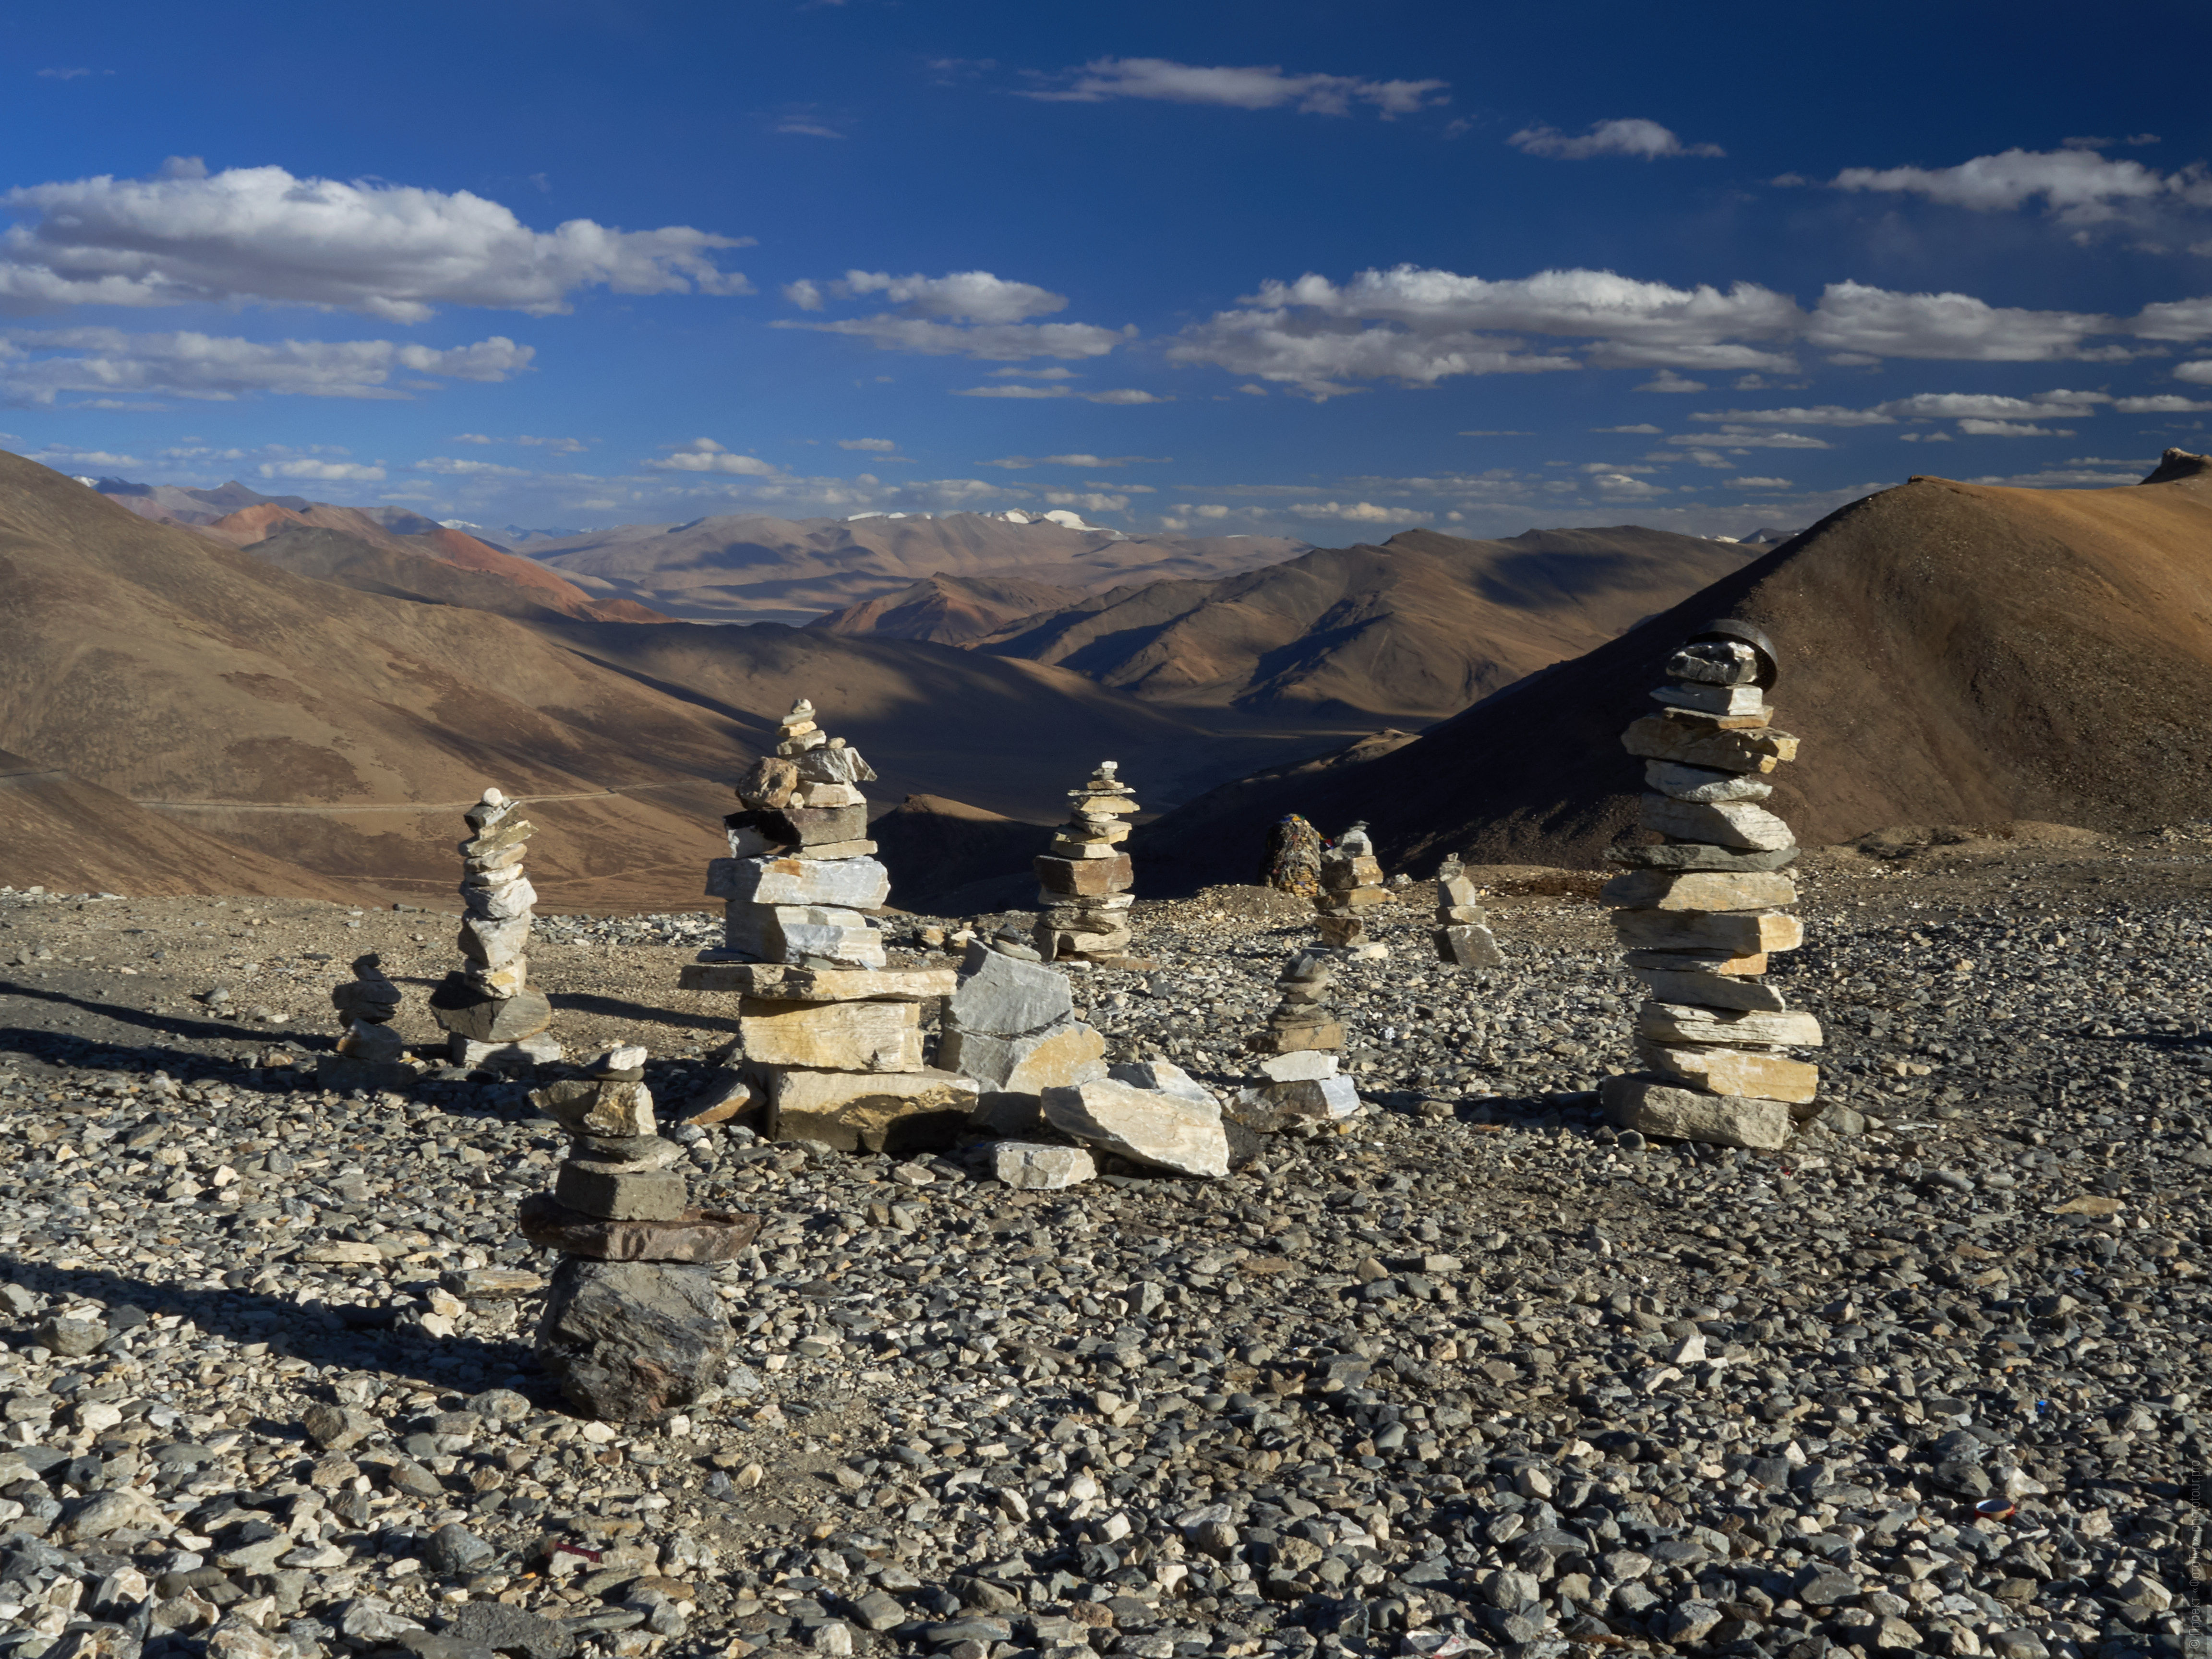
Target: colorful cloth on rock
point(1294, 858)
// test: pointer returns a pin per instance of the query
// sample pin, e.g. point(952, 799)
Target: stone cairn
point(831, 1038)
point(1463, 936)
point(496, 1017)
point(633, 1325)
point(1351, 885)
point(1084, 878)
point(1297, 1080)
point(371, 1055)
point(1700, 911)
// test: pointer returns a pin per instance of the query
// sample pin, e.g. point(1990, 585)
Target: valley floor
point(1473, 1374)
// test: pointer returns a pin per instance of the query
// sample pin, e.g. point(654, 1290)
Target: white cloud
point(1759, 484)
point(975, 296)
point(1012, 392)
point(1054, 373)
point(2165, 404)
point(260, 235)
point(963, 314)
point(2175, 319)
point(1016, 462)
point(1643, 428)
point(448, 466)
point(1960, 405)
point(1820, 414)
point(705, 455)
point(323, 471)
point(2196, 373)
point(877, 445)
point(1352, 511)
point(61, 456)
point(1745, 437)
point(1646, 140)
point(1418, 326)
point(1118, 395)
point(2077, 186)
point(1859, 323)
point(992, 342)
point(2072, 476)
point(37, 366)
point(1979, 428)
point(1086, 501)
point(1620, 487)
point(558, 446)
point(1164, 81)
point(1921, 406)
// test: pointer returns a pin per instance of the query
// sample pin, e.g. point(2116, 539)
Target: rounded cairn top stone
point(1750, 634)
point(493, 798)
point(624, 1057)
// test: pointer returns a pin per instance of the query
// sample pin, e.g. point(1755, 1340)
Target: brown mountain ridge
point(1410, 631)
point(1951, 653)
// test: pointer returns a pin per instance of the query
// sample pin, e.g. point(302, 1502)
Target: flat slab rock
point(1144, 1114)
point(1655, 1106)
point(630, 1342)
point(696, 1236)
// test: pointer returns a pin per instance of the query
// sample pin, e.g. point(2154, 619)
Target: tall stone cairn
point(633, 1325)
point(830, 1037)
point(496, 1017)
point(1351, 885)
point(1083, 878)
point(1701, 911)
point(1298, 1081)
point(1463, 935)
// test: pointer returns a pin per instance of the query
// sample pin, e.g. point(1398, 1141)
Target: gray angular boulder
point(632, 1341)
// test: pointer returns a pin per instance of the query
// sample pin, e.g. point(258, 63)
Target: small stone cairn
point(830, 1037)
point(633, 1325)
point(1351, 885)
point(1298, 1081)
point(1463, 936)
point(1083, 878)
point(496, 1017)
point(371, 1055)
point(1700, 911)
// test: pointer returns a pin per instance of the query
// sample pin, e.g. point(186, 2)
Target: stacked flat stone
point(496, 1017)
point(371, 1055)
point(801, 867)
point(1083, 878)
point(1463, 936)
point(1297, 1079)
point(1011, 1027)
point(830, 1037)
point(1701, 911)
point(633, 1325)
point(1351, 885)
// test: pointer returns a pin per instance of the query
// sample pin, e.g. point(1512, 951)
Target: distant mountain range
point(1952, 653)
point(1413, 631)
point(287, 686)
point(738, 567)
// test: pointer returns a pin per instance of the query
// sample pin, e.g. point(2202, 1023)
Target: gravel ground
point(1473, 1375)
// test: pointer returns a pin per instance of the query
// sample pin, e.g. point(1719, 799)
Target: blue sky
point(1321, 270)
